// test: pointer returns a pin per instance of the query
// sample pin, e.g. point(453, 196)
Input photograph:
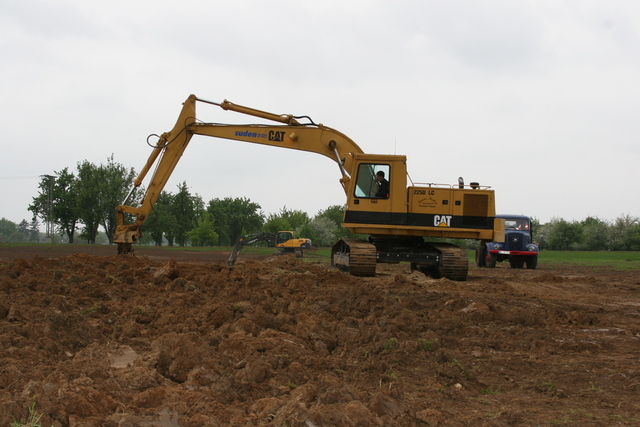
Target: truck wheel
point(491, 260)
point(480, 256)
point(532, 262)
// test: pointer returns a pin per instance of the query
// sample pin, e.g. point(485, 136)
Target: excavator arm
point(248, 240)
point(171, 145)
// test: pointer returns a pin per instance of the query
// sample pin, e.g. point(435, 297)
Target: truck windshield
point(516, 224)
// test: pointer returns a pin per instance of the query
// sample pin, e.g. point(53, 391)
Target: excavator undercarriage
point(359, 257)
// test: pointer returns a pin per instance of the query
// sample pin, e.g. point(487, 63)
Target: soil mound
point(99, 340)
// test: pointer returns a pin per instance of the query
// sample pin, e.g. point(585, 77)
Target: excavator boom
point(171, 145)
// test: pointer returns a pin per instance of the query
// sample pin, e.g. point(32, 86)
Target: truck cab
point(518, 247)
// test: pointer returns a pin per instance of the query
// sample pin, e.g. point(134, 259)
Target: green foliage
point(183, 210)
point(335, 213)
point(562, 235)
point(98, 190)
point(594, 234)
point(115, 181)
point(235, 218)
point(591, 234)
point(23, 232)
point(203, 234)
point(63, 190)
point(275, 223)
point(9, 232)
point(624, 234)
point(87, 193)
point(322, 231)
point(292, 220)
point(161, 220)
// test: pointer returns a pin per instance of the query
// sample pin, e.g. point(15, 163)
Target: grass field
point(605, 260)
point(549, 259)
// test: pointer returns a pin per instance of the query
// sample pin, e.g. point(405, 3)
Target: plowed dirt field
point(95, 339)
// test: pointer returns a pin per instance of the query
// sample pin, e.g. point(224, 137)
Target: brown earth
point(173, 338)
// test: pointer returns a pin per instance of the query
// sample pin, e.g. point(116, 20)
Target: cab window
point(372, 181)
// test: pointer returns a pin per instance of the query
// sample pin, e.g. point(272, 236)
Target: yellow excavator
point(285, 242)
point(381, 203)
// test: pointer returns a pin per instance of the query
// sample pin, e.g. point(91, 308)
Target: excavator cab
point(369, 205)
point(283, 237)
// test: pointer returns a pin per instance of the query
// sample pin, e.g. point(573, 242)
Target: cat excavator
point(397, 221)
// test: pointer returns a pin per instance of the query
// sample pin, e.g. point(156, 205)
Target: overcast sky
point(537, 99)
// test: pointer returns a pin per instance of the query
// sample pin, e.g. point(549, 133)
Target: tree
point(99, 190)
point(535, 228)
point(594, 234)
point(234, 218)
point(115, 180)
point(28, 231)
point(296, 218)
point(183, 209)
point(34, 232)
point(9, 232)
point(64, 202)
point(560, 234)
point(293, 220)
point(625, 234)
point(321, 230)
point(203, 234)
point(219, 211)
point(160, 221)
point(275, 223)
point(88, 204)
point(336, 214)
point(23, 228)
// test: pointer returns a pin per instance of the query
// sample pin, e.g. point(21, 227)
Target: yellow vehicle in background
point(382, 201)
point(285, 242)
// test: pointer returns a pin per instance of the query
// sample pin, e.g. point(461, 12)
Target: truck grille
point(517, 241)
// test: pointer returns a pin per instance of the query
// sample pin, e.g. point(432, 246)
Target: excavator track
point(454, 262)
point(357, 257)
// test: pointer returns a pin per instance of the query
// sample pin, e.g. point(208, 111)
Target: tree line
point(79, 202)
point(183, 218)
point(590, 234)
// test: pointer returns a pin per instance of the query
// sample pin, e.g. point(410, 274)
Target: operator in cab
point(383, 186)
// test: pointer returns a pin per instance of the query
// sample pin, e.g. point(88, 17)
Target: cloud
point(529, 97)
